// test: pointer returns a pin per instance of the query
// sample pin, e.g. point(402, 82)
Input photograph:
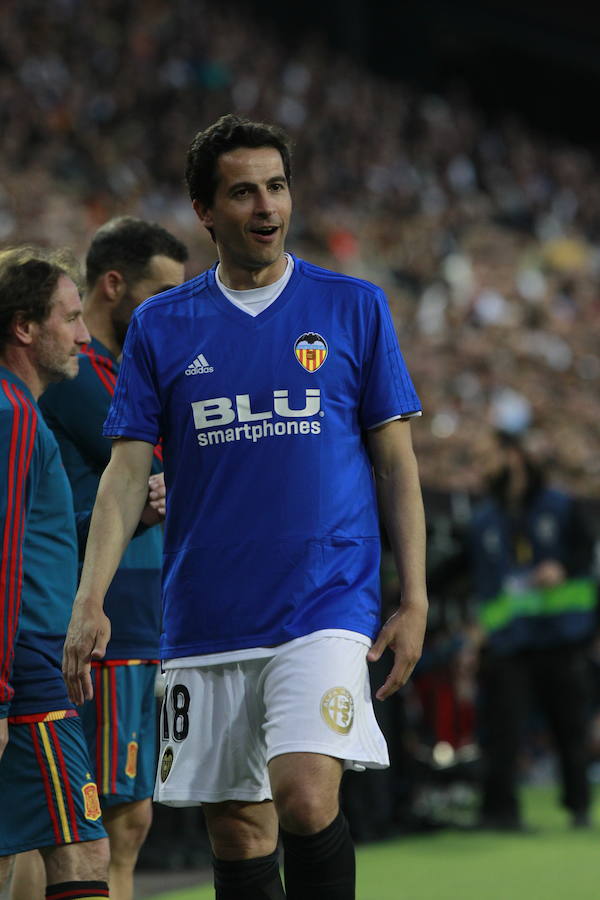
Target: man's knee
point(303, 809)
point(241, 830)
point(127, 825)
point(87, 861)
point(305, 791)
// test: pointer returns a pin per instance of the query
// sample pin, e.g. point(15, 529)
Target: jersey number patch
point(176, 706)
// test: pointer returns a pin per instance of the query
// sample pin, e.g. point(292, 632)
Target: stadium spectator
point(128, 261)
point(482, 232)
point(530, 565)
point(49, 799)
point(270, 583)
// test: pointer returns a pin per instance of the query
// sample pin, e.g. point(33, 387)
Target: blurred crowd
point(483, 233)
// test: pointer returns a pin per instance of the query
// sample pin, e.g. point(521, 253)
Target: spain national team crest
point(337, 708)
point(311, 351)
point(132, 755)
point(91, 802)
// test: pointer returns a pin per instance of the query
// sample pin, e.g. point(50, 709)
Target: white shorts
point(221, 725)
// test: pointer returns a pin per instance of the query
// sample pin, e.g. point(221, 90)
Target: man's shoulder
point(554, 497)
point(320, 274)
point(485, 509)
point(161, 305)
point(16, 404)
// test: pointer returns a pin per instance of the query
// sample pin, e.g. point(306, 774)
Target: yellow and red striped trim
point(57, 787)
point(53, 716)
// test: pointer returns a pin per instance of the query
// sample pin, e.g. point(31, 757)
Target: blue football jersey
point(272, 525)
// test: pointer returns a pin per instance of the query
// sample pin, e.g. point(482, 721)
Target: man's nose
point(82, 336)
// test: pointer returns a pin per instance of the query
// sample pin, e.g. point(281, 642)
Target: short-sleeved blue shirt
point(272, 526)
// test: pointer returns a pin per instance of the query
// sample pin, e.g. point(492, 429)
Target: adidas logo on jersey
point(199, 366)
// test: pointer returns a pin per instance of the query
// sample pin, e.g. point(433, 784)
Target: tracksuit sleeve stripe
point(107, 378)
point(20, 449)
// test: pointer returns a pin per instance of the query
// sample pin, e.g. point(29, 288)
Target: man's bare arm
point(121, 498)
point(3, 735)
point(401, 507)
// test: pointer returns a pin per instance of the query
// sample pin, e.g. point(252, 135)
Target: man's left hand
point(156, 505)
point(403, 633)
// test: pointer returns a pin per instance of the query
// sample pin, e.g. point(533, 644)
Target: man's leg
point(243, 837)
point(5, 869)
point(319, 858)
point(49, 801)
point(504, 690)
point(563, 686)
point(79, 871)
point(123, 716)
point(127, 825)
point(28, 880)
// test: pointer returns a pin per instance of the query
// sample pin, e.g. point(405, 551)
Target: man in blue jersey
point(283, 402)
point(128, 261)
point(49, 798)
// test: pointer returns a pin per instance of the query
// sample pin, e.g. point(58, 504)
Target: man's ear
point(113, 285)
point(203, 212)
point(23, 329)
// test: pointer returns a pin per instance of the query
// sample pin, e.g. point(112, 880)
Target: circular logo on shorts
point(337, 708)
point(165, 764)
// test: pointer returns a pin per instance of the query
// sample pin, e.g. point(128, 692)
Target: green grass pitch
point(555, 863)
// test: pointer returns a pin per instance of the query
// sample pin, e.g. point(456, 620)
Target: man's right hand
point(3, 735)
point(86, 640)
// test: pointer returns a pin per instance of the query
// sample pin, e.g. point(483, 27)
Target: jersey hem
point(259, 650)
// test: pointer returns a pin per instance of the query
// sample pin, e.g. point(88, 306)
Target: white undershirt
point(255, 300)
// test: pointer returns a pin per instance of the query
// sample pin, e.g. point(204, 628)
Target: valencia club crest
point(311, 351)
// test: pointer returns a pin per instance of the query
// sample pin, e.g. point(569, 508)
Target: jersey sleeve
point(18, 428)
point(387, 390)
point(135, 408)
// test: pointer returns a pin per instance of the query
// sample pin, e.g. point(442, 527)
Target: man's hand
point(86, 640)
point(3, 735)
point(404, 633)
point(155, 509)
point(548, 574)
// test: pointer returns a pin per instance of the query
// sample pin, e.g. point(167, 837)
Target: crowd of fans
point(483, 233)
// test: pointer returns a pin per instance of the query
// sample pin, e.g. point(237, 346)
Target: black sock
point(248, 879)
point(77, 890)
point(320, 866)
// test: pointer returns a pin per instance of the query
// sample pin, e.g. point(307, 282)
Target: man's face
point(59, 337)
point(163, 273)
point(251, 210)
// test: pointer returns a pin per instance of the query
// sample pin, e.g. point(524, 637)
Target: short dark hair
point(229, 133)
point(128, 244)
point(28, 279)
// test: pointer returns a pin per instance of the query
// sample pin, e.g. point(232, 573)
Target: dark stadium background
point(539, 59)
